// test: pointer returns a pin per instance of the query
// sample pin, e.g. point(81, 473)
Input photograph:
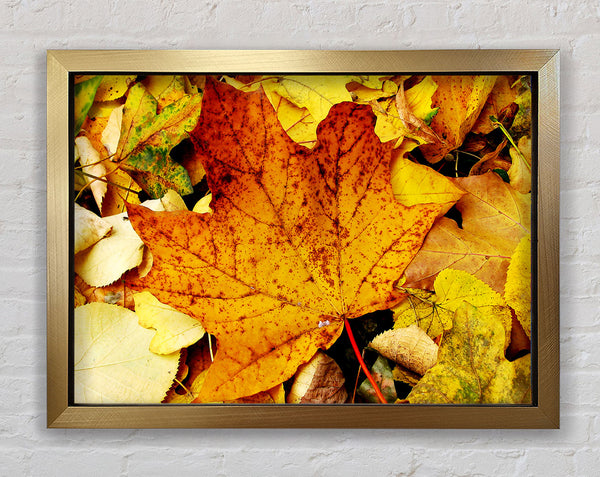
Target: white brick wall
point(29, 27)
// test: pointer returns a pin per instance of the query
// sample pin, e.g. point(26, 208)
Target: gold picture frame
point(544, 413)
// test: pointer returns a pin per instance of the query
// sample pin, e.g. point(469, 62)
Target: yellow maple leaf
point(298, 239)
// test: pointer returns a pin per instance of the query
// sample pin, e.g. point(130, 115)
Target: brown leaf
point(320, 381)
point(494, 219)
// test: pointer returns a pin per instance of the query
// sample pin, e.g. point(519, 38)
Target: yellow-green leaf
point(147, 138)
point(84, 93)
point(471, 367)
point(518, 283)
point(165, 88)
point(434, 311)
point(112, 363)
point(174, 330)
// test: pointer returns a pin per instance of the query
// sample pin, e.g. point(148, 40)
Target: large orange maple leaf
point(299, 239)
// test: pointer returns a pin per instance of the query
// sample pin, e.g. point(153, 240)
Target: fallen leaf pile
point(229, 230)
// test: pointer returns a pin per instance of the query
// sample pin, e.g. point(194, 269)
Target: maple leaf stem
point(363, 365)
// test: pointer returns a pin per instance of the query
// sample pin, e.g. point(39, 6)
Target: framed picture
point(303, 239)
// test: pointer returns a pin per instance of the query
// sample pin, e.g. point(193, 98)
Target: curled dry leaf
point(88, 227)
point(319, 381)
point(410, 347)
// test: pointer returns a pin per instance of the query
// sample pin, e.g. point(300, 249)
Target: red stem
point(362, 362)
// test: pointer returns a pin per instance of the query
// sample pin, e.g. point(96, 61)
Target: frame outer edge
point(57, 246)
point(548, 240)
point(62, 62)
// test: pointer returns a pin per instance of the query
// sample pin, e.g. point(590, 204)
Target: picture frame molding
point(544, 64)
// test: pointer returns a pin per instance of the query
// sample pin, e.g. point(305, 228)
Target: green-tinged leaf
point(382, 374)
point(147, 139)
point(84, 93)
point(112, 362)
point(472, 368)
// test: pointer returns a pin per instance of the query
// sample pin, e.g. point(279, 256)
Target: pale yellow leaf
point(112, 131)
point(203, 205)
point(174, 330)
point(92, 164)
point(434, 311)
point(112, 363)
point(89, 228)
point(109, 258)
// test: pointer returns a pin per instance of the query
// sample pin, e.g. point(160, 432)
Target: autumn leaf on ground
point(409, 346)
point(434, 312)
point(302, 102)
point(147, 138)
point(407, 114)
point(472, 368)
point(418, 184)
point(112, 363)
point(502, 95)
point(174, 330)
point(298, 239)
point(113, 86)
point(109, 258)
point(84, 93)
point(89, 228)
point(520, 170)
point(384, 378)
point(460, 99)
point(92, 168)
point(320, 381)
point(518, 283)
point(494, 219)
